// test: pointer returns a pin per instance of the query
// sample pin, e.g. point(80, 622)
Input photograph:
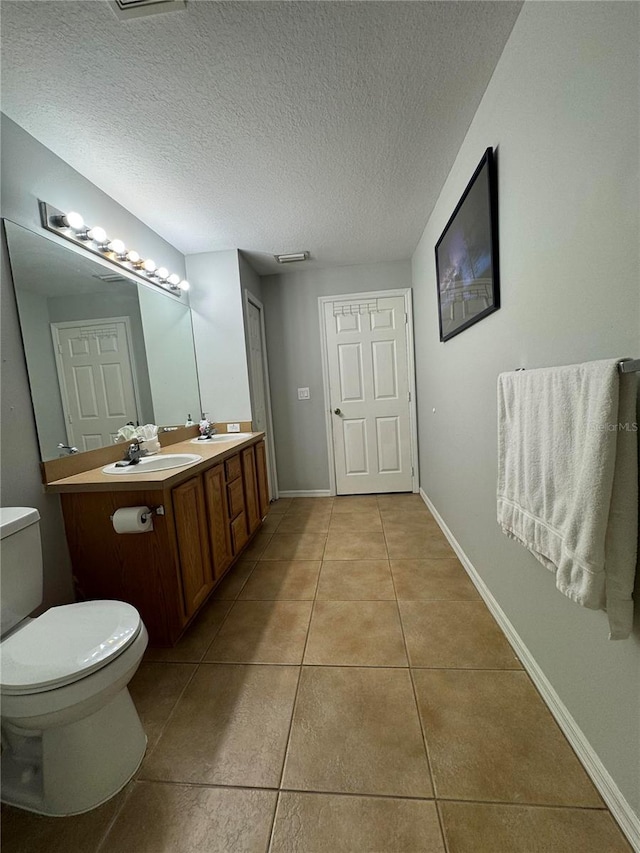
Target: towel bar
point(629, 365)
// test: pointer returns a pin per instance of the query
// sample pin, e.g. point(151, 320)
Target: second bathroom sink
point(149, 464)
point(223, 436)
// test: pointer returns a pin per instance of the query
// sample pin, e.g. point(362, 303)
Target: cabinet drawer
point(232, 468)
point(239, 535)
point(236, 498)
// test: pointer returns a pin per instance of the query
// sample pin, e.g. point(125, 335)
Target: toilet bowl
point(71, 736)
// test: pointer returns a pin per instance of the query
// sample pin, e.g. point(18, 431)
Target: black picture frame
point(467, 259)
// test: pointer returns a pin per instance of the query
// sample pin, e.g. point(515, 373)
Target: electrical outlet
point(233, 427)
point(303, 394)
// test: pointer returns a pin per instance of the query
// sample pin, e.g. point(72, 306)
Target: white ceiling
point(265, 126)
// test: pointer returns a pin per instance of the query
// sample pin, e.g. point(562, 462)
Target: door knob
point(337, 412)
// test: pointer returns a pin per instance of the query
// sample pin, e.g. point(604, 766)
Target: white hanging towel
point(568, 479)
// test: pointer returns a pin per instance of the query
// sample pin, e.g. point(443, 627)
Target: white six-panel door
point(366, 346)
point(96, 378)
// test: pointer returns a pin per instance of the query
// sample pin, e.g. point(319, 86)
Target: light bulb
point(184, 285)
point(133, 257)
point(149, 265)
point(117, 247)
point(174, 280)
point(162, 273)
point(98, 234)
point(73, 220)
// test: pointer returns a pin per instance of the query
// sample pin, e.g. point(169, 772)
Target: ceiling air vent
point(112, 278)
point(292, 257)
point(136, 8)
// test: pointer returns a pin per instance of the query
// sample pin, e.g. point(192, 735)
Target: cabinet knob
point(337, 412)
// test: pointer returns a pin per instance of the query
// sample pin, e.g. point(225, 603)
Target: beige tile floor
point(344, 691)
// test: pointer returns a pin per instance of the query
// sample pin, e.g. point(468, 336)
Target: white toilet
point(71, 736)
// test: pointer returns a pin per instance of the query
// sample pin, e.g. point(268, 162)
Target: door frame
point(67, 324)
point(405, 292)
point(272, 473)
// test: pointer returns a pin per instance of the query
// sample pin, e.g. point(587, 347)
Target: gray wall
point(43, 376)
point(562, 110)
point(168, 339)
point(250, 282)
point(218, 329)
point(249, 278)
point(29, 172)
point(293, 349)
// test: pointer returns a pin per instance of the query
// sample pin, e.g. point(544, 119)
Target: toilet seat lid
point(65, 644)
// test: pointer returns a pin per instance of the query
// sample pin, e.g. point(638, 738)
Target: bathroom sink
point(149, 464)
point(223, 436)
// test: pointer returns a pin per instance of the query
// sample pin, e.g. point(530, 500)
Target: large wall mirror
point(101, 348)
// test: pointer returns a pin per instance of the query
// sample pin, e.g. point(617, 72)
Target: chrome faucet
point(70, 450)
point(207, 432)
point(133, 455)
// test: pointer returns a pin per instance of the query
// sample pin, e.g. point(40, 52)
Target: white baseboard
point(626, 817)
point(314, 493)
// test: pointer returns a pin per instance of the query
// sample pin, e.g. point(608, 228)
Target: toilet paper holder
point(153, 510)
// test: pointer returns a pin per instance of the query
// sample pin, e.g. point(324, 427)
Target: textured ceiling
point(264, 126)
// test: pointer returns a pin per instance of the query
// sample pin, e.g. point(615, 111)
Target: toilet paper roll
point(132, 519)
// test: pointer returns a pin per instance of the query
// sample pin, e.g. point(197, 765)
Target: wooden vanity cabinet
point(192, 527)
point(215, 487)
point(250, 482)
point(142, 569)
point(237, 504)
point(169, 573)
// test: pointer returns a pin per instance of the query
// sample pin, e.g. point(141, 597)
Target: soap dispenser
point(189, 421)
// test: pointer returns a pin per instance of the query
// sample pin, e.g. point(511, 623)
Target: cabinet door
point(193, 543)
point(215, 490)
point(250, 489)
point(239, 533)
point(263, 483)
point(235, 492)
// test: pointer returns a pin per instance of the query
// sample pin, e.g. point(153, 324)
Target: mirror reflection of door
point(97, 379)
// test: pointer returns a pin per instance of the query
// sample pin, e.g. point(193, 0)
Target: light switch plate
point(303, 394)
point(233, 427)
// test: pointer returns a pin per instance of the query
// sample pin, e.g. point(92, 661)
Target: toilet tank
point(20, 565)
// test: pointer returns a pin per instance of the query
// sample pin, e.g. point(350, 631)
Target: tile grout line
point(136, 778)
point(417, 707)
point(519, 668)
point(409, 798)
point(169, 718)
point(445, 840)
point(340, 665)
point(438, 798)
point(415, 699)
point(415, 696)
point(116, 815)
point(224, 619)
point(196, 665)
point(221, 625)
point(295, 702)
point(273, 822)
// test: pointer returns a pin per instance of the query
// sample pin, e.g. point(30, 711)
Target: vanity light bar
point(72, 227)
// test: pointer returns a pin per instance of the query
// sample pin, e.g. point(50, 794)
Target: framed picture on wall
point(467, 265)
